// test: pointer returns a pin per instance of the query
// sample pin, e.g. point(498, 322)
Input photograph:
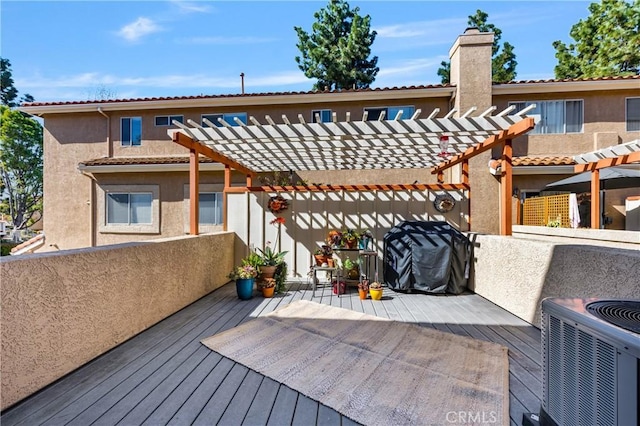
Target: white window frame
point(564, 118)
point(169, 119)
point(204, 188)
point(320, 111)
point(626, 112)
point(105, 228)
point(227, 116)
point(130, 141)
point(403, 108)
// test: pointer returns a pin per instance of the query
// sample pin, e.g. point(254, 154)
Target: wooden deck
point(166, 376)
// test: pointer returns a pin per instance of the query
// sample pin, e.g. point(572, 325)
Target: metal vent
point(623, 313)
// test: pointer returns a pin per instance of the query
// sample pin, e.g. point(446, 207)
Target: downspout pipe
point(109, 146)
point(92, 207)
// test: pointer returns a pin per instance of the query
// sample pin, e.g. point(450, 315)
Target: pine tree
point(337, 50)
point(607, 43)
point(503, 63)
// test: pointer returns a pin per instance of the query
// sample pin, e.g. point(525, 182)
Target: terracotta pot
point(376, 294)
point(320, 259)
point(330, 262)
point(362, 293)
point(268, 291)
point(267, 271)
point(351, 243)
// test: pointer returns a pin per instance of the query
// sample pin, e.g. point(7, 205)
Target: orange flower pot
point(362, 293)
point(268, 291)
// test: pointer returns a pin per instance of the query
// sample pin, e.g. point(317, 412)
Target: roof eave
point(564, 86)
point(147, 168)
point(249, 100)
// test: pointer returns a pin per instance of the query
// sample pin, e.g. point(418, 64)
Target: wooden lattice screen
point(547, 211)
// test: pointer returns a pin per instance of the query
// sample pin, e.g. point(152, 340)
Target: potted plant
point(366, 238)
point(244, 276)
point(375, 290)
point(268, 287)
point(270, 260)
point(320, 257)
point(363, 289)
point(353, 271)
point(350, 238)
point(334, 239)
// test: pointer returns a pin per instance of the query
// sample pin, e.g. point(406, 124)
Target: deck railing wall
point(312, 214)
point(61, 309)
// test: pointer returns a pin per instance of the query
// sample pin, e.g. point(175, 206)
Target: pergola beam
point(187, 142)
point(513, 131)
point(633, 157)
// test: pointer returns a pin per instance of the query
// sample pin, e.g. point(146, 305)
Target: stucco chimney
point(471, 70)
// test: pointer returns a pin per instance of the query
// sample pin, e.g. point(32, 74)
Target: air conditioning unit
point(591, 367)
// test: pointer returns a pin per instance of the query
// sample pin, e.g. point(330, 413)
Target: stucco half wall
point(62, 309)
point(517, 273)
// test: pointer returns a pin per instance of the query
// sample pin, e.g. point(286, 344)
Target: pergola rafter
point(394, 143)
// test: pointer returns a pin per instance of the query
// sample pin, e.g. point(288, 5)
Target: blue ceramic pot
point(244, 287)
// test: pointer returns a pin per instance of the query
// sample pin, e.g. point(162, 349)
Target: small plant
point(269, 282)
point(253, 259)
point(364, 285)
point(335, 238)
point(243, 272)
point(557, 223)
point(375, 285)
point(270, 257)
point(281, 277)
point(350, 237)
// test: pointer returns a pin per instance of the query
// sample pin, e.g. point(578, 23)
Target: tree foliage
point(8, 92)
point(21, 164)
point(337, 51)
point(503, 62)
point(607, 43)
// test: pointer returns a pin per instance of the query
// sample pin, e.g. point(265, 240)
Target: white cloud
point(138, 29)
point(191, 7)
point(421, 28)
point(225, 40)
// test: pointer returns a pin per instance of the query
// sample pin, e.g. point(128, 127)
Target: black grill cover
point(432, 257)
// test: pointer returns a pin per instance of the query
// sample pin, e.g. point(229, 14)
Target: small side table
point(330, 269)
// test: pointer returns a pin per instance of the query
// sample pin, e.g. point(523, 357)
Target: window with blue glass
point(228, 117)
point(131, 131)
point(390, 113)
point(210, 208)
point(323, 114)
point(129, 208)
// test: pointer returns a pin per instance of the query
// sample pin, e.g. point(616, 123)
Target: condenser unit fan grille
point(623, 313)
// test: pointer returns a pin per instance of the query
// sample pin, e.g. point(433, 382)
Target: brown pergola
point(353, 145)
point(594, 161)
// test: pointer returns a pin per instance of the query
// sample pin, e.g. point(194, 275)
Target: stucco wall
point(62, 309)
point(517, 273)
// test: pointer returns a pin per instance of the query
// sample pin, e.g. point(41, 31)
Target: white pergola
point(625, 153)
point(395, 143)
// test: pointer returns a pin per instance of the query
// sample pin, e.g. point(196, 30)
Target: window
point(210, 200)
point(167, 120)
point(229, 118)
point(324, 114)
point(130, 209)
point(390, 112)
point(556, 117)
point(210, 208)
point(131, 131)
point(633, 114)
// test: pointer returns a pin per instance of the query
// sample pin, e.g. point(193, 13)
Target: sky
point(87, 50)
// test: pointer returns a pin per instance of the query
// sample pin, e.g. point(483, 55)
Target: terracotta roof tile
point(552, 80)
point(121, 161)
point(237, 95)
point(543, 161)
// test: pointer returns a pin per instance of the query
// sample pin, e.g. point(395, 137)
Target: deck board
point(166, 376)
